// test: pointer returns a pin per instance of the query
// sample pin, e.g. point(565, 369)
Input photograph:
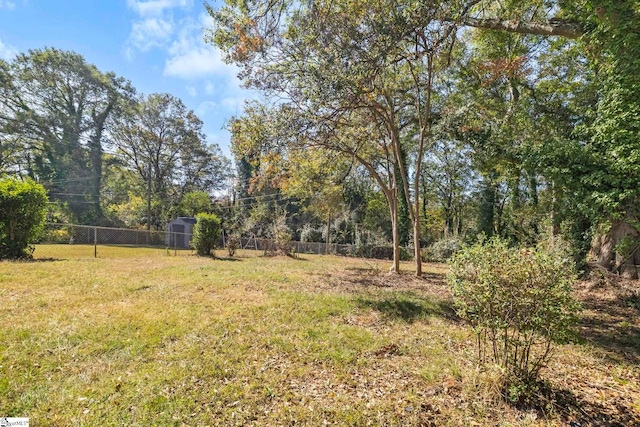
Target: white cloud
point(156, 7)
point(191, 90)
point(7, 52)
point(149, 33)
point(190, 57)
point(206, 107)
point(189, 61)
point(155, 26)
point(7, 4)
point(234, 103)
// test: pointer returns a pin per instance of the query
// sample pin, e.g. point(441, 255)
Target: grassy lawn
point(142, 338)
point(104, 251)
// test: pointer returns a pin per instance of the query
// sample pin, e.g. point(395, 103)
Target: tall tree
point(608, 171)
point(341, 60)
point(448, 175)
point(163, 142)
point(348, 58)
point(59, 106)
point(276, 136)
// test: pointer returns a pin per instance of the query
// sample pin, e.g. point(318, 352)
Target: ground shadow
point(33, 260)
point(231, 259)
point(294, 257)
point(438, 278)
point(219, 258)
point(408, 307)
point(577, 411)
point(362, 277)
point(612, 325)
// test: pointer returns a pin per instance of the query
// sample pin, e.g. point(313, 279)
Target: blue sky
point(156, 44)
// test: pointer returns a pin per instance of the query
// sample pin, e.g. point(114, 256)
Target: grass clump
point(519, 302)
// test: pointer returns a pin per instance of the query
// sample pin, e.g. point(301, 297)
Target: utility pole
point(326, 250)
point(149, 199)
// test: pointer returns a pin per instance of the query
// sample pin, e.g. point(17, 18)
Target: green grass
point(142, 338)
point(65, 251)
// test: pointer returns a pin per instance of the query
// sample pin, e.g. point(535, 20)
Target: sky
point(156, 44)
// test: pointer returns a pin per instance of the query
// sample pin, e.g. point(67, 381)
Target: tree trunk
point(149, 201)
point(618, 250)
point(328, 239)
point(486, 221)
point(95, 154)
point(393, 209)
point(416, 243)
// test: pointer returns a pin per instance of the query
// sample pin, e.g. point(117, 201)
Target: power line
point(71, 194)
point(279, 198)
point(66, 180)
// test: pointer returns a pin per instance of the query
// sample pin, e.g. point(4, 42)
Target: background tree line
point(106, 154)
point(518, 119)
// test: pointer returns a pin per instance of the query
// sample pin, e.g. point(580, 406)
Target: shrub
point(55, 236)
point(280, 234)
point(441, 250)
point(23, 207)
point(519, 303)
point(311, 234)
point(233, 243)
point(206, 233)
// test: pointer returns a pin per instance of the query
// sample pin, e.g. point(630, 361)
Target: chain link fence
point(323, 248)
point(318, 248)
point(71, 240)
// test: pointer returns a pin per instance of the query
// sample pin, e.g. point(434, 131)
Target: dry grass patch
point(155, 339)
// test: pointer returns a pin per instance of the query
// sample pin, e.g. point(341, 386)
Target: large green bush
point(23, 207)
point(519, 302)
point(206, 233)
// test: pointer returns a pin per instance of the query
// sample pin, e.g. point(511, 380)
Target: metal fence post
point(95, 242)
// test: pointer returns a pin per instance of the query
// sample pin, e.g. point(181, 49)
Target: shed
point(180, 231)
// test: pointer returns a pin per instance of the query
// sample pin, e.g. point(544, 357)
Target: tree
point(279, 135)
point(606, 142)
point(344, 61)
point(329, 58)
point(11, 146)
point(23, 207)
point(448, 176)
point(163, 142)
point(195, 202)
point(57, 107)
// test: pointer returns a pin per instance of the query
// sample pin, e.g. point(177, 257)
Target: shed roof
point(187, 219)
